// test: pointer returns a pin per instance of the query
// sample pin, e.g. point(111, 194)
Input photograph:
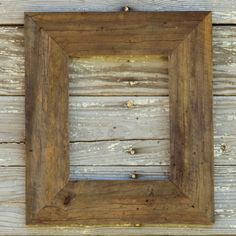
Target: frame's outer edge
point(46, 105)
point(191, 118)
point(51, 199)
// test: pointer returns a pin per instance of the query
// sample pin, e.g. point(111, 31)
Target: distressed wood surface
point(119, 75)
point(111, 153)
point(120, 121)
point(12, 68)
point(186, 195)
point(12, 11)
point(12, 210)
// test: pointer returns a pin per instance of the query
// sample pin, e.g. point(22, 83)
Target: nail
point(131, 151)
point(126, 8)
point(130, 104)
point(223, 147)
point(134, 176)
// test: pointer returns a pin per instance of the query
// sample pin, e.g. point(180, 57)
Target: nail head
point(131, 151)
point(126, 8)
point(134, 176)
point(130, 104)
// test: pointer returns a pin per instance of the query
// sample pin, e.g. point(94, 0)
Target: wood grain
point(12, 215)
point(223, 12)
point(12, 117)
point(186, 196)
point(12, 68)
point(191, 118)
point(46, 125)
point(119, 75)
point(12, 210)
point(112, 153)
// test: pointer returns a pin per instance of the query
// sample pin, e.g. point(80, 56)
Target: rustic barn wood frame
point(187, 197)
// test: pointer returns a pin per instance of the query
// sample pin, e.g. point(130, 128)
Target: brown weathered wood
point(11, 11)
point(187, 196)
point(46, 106)
point(191, 125)
point(109, 81)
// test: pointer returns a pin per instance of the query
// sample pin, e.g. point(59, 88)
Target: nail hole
point(67, 200)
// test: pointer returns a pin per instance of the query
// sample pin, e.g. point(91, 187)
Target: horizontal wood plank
point(12, 210)
point(109, 81)
point(12, 11)
point(119, 75)
point(103, 118)
point(111, 153)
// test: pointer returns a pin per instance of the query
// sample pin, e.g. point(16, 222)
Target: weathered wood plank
point(108, 118)
point(111, 153)
point(119, 172)
point(114, 119)
point(12, 68)
point(119, 75)
point(12, 210)
point(12, 11)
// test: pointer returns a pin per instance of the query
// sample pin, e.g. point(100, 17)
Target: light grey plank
point(96, 118)
point(110, 153)
point(224, 60)
point(11, 11)
point(12, 68)
point(103, 118)
point(12, 210)
point(119, 172)
point(119, 75)
point(109, 118)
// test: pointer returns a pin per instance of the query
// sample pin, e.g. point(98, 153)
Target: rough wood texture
point(11, 12)
point(12, 210)
point(46, 136)
point(116, 153)
point(12, 214)
point(119, 75)
point(191, 122)
point(12, 68)
point(12, 117)
point(186, 196)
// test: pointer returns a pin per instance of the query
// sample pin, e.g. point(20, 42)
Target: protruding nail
point(223, 147)
point(130, 104)
point(134, 176)
point(126, 8)
point(131, 151)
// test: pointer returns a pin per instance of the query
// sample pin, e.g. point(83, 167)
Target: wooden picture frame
point(187, 197)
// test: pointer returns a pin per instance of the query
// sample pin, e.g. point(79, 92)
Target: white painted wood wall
point(111, 157)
